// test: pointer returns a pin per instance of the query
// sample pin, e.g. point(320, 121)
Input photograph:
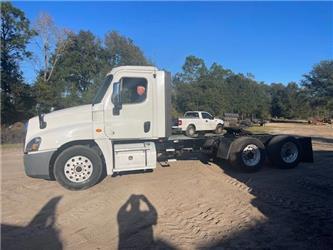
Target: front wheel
point(190, 131)
point(78, 167)
point(219, 129)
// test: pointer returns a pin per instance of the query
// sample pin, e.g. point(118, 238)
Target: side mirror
point(37, 107)
point(116, 98)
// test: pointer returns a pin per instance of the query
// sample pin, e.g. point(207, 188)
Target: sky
point(274, 41)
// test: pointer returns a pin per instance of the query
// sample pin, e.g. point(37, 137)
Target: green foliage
point(193, 69)
point(319, 88)
point(218, 90)
point(16, 96)
point(120, 50)
point(77, 69)
point(83, 66)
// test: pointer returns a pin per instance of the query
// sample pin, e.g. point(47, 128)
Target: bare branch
point(52, 42)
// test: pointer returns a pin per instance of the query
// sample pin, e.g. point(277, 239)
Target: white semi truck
point(128, 128)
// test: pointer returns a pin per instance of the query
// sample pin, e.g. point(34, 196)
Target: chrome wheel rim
point(251, 155)
point(78, 169)
point(191, 130)
point(289, 152)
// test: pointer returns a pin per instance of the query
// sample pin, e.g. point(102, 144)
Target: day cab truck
point(198, 121)
point(127, 128)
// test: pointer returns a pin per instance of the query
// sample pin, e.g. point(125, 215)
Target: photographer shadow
point(136, 225)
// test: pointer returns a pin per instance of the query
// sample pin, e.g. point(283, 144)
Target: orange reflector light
point(98, 130)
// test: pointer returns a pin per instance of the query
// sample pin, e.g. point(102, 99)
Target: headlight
point(33, 145)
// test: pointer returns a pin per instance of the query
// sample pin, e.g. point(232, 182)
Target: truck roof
point(133, 68)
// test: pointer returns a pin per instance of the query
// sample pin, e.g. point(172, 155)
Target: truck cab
point(115, 133)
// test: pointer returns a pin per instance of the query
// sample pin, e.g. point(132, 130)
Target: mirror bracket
point(116, 98)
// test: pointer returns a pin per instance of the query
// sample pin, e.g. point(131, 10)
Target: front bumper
point(37, 165)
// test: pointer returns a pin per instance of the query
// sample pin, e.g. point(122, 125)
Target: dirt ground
point(190, 205)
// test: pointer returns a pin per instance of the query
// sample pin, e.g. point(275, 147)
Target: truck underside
point(231, 145)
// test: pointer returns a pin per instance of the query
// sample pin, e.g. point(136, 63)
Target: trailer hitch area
point(210, 146)
point(235, 131)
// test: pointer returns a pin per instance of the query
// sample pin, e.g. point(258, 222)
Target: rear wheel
point(219, 129)
point(190, 131)
point(78, 167)
point(247, 154)
point(284, 151)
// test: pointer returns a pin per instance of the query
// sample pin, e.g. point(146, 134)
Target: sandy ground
point(189, 205)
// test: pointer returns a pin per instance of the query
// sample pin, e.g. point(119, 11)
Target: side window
point(191, 115)
point(206, 116)
point(133, 90)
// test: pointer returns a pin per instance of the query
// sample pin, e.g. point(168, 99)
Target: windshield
point(102, 89)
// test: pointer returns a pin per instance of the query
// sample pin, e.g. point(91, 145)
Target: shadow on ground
point(297, 204)
point(42, 226)
point(136, 219)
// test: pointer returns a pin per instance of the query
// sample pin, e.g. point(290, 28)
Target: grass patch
point(260, 129)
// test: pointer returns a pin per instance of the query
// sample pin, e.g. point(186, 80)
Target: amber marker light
point(98, 130)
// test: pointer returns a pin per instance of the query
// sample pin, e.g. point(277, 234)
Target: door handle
point(146, 126)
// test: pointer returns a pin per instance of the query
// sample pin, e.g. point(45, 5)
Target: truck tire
point(284, 151)
point(190, 131)
point(247, 154)
point(219, 129)
point(78, 167)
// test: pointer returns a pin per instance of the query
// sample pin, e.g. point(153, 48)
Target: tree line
point(219, 90)
point(70, 66)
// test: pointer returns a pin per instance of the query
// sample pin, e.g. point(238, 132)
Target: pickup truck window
point(102, 89)
point(191, 115)
point(206, 116)
point(133, 90)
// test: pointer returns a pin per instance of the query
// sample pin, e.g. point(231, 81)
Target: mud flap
point(306, 147)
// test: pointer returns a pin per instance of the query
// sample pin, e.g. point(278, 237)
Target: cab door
point(208, 121)
point(129, 112)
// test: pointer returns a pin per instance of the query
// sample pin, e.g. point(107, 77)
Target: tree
point(80, 66)
point(279, 100)
point(218, 90)
point(121, 50)
point(193, 69)
point(16, 98)
point(318, 84)
point(52, 42)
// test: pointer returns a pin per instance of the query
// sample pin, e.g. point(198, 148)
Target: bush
point(14, 133)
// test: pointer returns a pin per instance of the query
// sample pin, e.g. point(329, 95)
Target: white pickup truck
point(194, 121)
